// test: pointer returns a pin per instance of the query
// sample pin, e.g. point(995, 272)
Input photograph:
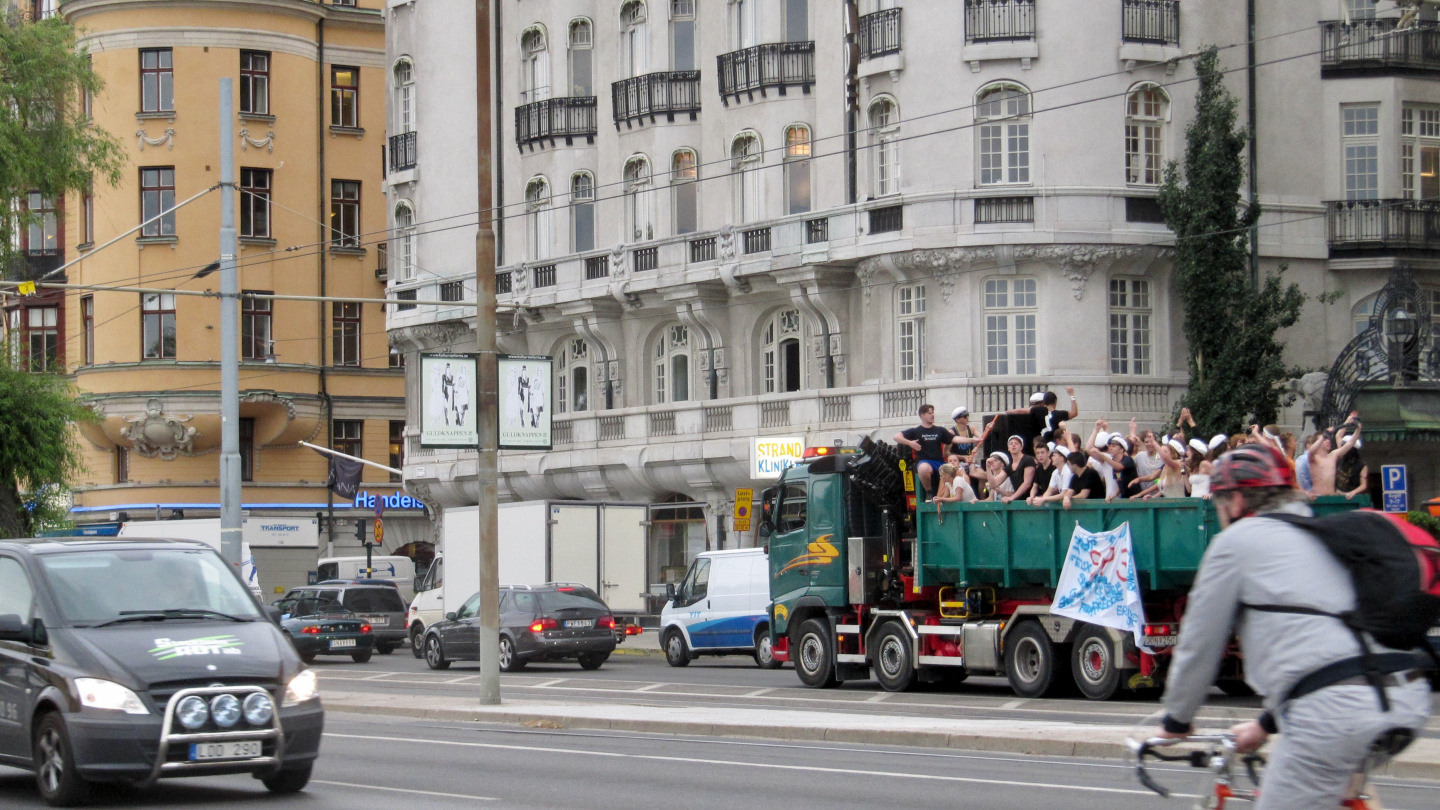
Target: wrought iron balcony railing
point(656, 94)
point(999, 20)
point(880, 33)
point(1151, 21)
point(777, 64)
point(568, 117)
point(1377, 47)
point(1379, 226)
point(403, 151)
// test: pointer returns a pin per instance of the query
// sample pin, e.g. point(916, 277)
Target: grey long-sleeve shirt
point(1259, 561)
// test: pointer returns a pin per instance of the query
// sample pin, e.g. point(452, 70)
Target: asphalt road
point(411, 763)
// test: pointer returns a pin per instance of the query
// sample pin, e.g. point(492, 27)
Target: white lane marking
point(544, 684)
point(405, 790)
point(377, 676)
point(970, 780)
point(876, 698)
point(1014, 704)
point(650, 687)
point(461, 679)
point(757, 693)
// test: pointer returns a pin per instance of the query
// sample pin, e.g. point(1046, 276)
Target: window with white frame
point(1360, 131)
point(639, 208)
point(42, 233)
point(1359, 9)
point(1003, 134)
point(682, 35)
point(670, 365)
point(884, 146)
point(910, 332)
point(404, 97)
point(684, 174)
point(781, 352)
point(1130, 326)
point(1145, 112)
point(582, 211)
point(743, 23)
point(582, 50)
point(534, 65)
point(1420, 152)
point(634, 38)
point(1010, 311)
point(537, 215)
point(404, 241)
point(797, 169)
point(745, 158)
point(572, 378)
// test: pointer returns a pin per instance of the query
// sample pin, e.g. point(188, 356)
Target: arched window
point(404, 96)
point(684, 172)
point(745, 157)
point(534, 65)
point(404, 253)
point(783, 359)
point(634, 38)
point(884, 148)
point(572, 376)
point(670, 365)
point(582, 41)
point(582, 211)
point(639, 214)
point(1145, 112)
point(797, 169)
point(1003, 135)
point(537, 213)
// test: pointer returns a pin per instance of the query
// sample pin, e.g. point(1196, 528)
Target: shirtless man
point(1324, 456)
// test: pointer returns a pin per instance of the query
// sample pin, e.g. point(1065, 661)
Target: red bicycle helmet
point(1251, 466)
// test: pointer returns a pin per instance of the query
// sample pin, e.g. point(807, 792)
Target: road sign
point(1395, 487)
point(379, 531)
point(744, 504)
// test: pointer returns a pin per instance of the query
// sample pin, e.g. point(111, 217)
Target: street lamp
point(1400, 328)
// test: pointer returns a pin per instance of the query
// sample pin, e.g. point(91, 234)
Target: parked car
point(722, 607)
point(376, 601)
point(552, 622)
point(428, 606)
point(136, 660)
point(322, 627)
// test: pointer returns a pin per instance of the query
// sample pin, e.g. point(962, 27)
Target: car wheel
point(814, 655)
point(360, 657)
point(385, 649)
point(56, 776)
point(308, 658)
point(676, 653)
point(894, 658)
point(417, 641)
point(290, 780)
point(764, 651)
point(593, 660)
point(509, 661)
point(1030, 661)
point(1093, 663)
point(435, 654)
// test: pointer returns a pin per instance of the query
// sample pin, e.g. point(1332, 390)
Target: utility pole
point(230, 529)
point(487, 421)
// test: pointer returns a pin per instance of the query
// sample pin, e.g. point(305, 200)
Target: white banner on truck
point(1098, 583)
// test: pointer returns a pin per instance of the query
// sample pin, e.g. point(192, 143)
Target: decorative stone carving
point(1077, 262)
point(271, 397)
point(267, 143)
point(727, 243)
point(156, 434)
point(168, 139)
point(1311, 390)
point(620, 279)
point(428, 336)
point(865, 273)
point(520, 282)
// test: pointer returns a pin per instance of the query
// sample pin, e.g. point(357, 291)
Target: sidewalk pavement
point(1421, 761)
point(647, 643)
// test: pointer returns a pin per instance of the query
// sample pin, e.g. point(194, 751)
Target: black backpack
point(1397, 588)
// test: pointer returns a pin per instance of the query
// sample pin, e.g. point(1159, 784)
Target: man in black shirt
point(1044, 418)
point(1086, 483)
point(1021, 471)
point(1043, 471)
point(930, 442)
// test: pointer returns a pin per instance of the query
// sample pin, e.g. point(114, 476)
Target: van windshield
point(93, 587)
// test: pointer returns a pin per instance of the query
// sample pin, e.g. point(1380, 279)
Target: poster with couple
point(447, 401)
point(525, 402)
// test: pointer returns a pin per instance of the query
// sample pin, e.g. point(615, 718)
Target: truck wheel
point(1030, 661)
point(676, 654)
point(814, 655)
point(764, 652)
point(435, 654)
point(55, 773)
point(894, 658)
point(417, 641)
point(1093, 663)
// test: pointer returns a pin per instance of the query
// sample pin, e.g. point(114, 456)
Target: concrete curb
point(638, 651)
point(1409, 768)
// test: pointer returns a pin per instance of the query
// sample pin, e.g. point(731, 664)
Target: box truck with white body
point(399, 570)
point(205, 530)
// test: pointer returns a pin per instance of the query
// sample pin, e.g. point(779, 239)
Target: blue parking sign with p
point(1395, 488)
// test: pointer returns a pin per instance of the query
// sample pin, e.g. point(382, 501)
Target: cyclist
point(1328, 719)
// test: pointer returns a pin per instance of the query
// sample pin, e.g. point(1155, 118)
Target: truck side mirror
point(669, 592)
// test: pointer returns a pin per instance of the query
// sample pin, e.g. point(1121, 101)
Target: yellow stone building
point(309, 85)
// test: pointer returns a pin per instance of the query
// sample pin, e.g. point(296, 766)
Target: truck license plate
point(1160, 641)
point(579, 622)
point(338, 643)
point(226, 750)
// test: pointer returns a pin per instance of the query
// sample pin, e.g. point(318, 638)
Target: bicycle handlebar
point(1197, 759)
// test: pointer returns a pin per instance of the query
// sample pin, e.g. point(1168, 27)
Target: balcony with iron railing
point(1396, 227)
point(999, 20)
point(777, 65)
point(404, 151)
point(567, 118)
point(1379, 48)
point(1156, 22)
point(879, 33)
point(640, 97)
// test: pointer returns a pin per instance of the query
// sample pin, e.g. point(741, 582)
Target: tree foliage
point(1236, 364)
point(47, 142)
point(39, 450)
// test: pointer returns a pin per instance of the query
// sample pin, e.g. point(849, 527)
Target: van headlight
point(101, 694)
point(301, 688)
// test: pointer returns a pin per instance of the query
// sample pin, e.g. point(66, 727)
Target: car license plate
point(1435, 632)
point(1160, 641)
point(377, 621)
point(338, 643)
point(579, 622)
point(225, 750)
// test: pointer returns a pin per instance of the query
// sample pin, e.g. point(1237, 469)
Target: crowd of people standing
point(1044, 461)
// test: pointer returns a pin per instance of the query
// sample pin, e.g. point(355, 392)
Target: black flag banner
point(344, 479)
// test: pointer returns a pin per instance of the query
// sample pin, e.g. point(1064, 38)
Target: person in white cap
point(1113, 461)
point(1171, 482)
point(1197, 463)
point(1044, 418)
point(963, 431)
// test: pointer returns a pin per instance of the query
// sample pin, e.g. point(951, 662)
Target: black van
point(136, 660)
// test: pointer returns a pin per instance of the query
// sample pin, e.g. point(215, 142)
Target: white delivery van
point(205, 530)
point(722, 607)
point(399, 570)
point(428, 606)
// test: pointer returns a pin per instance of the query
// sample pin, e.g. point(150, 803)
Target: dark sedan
point(321, 627)
point(552, 622)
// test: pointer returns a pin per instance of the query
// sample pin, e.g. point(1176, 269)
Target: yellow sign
point(26, 288)
point(379, 532)
point(744, 504)
point(909, 476)
point(279, 589)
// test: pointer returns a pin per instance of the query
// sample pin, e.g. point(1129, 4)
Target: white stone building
point(736, 219)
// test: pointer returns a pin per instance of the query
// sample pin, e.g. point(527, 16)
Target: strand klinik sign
point(773, 456)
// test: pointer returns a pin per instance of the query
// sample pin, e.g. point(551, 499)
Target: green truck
point(862, 580)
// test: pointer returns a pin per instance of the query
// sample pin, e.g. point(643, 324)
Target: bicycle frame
point(1220, 757)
